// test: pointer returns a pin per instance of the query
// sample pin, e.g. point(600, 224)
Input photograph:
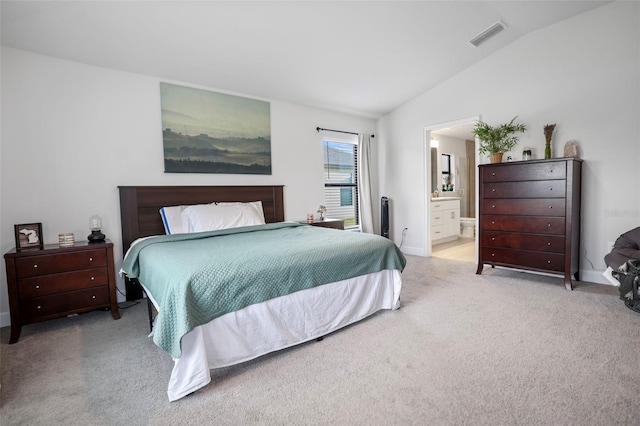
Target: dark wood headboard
point(140, 205)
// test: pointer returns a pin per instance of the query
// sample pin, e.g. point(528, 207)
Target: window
point(341, 181)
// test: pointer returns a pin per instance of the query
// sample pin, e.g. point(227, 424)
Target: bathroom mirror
point(435, 180)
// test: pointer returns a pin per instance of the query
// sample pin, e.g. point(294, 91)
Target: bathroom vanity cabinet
point(445, 220)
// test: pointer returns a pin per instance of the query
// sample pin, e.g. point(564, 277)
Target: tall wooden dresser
point(529, 216)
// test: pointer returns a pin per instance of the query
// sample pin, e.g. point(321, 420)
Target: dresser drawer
point(50, 264)
point(56, 283)
point(525, 224)
point(60, 303)
point(529, 189)
point(525, 207)
point(535, 242)
point(537, 260)
point(531, 171)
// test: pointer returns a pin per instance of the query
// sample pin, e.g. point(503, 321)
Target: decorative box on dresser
point(529, 216)
point(58, 281)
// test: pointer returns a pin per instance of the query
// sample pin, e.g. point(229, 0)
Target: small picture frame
point(28, 236)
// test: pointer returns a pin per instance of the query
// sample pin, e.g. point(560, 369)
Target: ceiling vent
point(488, 33)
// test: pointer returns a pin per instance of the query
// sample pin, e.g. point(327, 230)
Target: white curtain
point(364, 183)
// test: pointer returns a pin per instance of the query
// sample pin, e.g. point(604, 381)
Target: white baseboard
point(594, 277)
point(413, 251)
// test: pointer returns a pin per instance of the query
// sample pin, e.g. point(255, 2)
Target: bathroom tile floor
point(463, 248)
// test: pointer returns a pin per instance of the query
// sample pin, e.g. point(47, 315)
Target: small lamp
point(95, 224)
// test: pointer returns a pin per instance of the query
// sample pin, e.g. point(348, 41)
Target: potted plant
point(495, 141)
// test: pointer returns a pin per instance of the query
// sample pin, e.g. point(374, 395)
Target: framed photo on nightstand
point(29, 236)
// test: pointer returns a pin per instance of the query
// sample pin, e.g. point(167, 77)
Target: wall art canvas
point(211, 132)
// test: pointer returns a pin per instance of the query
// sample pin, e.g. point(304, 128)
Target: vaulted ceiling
point(359, 57)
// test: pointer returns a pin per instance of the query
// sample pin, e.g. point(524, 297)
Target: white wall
point(583, 74)
point(71, 133)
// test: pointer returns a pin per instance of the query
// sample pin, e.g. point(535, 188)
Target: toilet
point(468, 226)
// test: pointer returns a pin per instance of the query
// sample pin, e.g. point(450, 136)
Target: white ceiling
point(359, 57)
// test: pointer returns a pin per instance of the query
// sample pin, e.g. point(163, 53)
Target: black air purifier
point(384, 217)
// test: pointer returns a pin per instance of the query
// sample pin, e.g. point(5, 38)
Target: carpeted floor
point(502, 348)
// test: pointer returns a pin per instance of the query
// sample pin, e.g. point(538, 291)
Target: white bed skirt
point(277, 324)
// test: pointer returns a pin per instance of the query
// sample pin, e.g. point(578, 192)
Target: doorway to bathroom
point(451, 179)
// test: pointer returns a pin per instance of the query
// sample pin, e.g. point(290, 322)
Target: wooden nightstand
point(59, 281)
point(326, 223)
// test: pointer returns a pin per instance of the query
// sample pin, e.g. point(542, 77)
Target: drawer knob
point(93, 297)
point(39, 307)
point(493, 254)
point(493, 222)
point(493, 174)
point(550, 189)
point(493, 238)
point(37, 286)
point(493, 190)
point(548, 261)
point(91, 259)
point(493, 206)
point(550, 207)
point(548, 244)
point(548, 225)
point(35, 265)
point(93, 278)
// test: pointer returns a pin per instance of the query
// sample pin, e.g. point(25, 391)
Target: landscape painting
point(210, 132)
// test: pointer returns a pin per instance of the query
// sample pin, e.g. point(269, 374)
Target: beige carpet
point(503, 348)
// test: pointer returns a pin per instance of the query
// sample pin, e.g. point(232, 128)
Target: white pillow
point(211, 217)
point(172, 220)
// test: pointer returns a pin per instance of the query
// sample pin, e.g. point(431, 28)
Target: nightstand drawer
point(56, 304)
point(56, 283)
point(32, 266)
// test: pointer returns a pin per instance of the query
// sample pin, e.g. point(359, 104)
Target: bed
point(199, 328)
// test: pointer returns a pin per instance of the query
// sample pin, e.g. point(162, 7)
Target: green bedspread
point(195, 278)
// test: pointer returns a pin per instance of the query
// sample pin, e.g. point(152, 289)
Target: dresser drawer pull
point(550, 207)
point(93, 278)
point(548, 225)
point(493, 174)
point(91, 259)
point(548, 244)
point(493, 238)
point(39, 307)
point(35, 266)
point(548, 261)
point(493, 206)
point(493, 222)
point(493, 254)
point(93, 297)
point(37, 286)
point(493, 190)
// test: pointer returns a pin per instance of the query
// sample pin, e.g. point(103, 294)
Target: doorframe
point(427, 175)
